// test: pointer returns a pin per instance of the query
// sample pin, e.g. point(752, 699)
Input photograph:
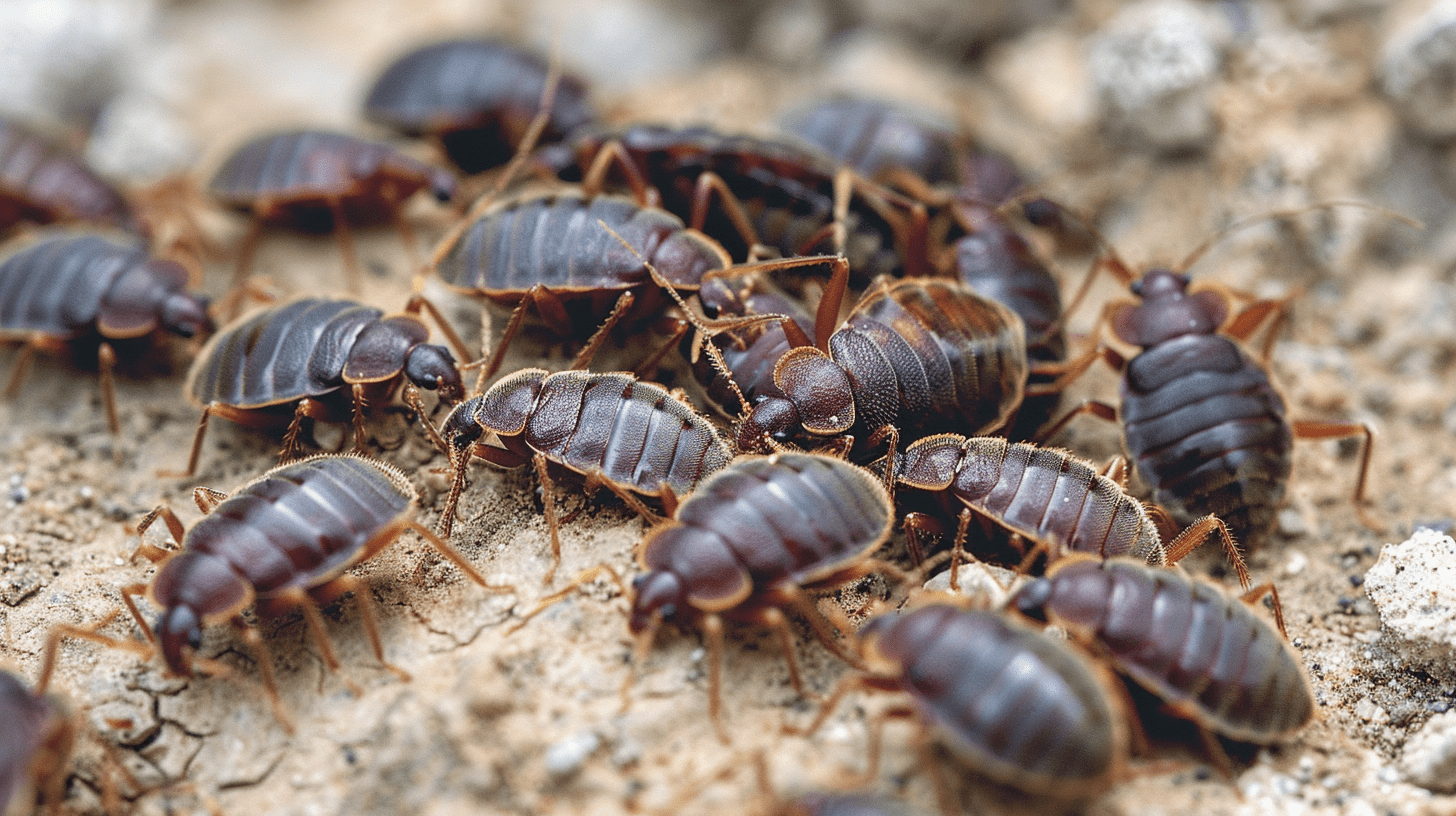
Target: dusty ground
point(531, 722)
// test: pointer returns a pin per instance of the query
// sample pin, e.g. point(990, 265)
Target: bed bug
point(477, 96)
point(1201, 651)
point(39, 733)
point(777, 193)
point(1058, 503)
point(320, 180)
point(282, 541)
point(632, 437)
point(317, 358)
point(876, 137)
point(1018, 707)
point(93, 290)
point(748, 544)
point(1200, 418)
point(913, 356)
point(43, 182)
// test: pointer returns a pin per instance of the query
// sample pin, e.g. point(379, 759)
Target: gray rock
point(1418, 72)
point(1429, 759)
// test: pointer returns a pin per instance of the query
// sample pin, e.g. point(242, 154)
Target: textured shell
point(873, 136)
point(279, 355)
point(762, 522)
point(1207, 430)
point(40, 181)
point(556, 241)
point(59, 286)
point(1018, 706)
point(1198, 649)
point(634, 433)
point(298, 525)
point(932, 355)
point(308, 167)
point(471, 83)
point(1043, 494)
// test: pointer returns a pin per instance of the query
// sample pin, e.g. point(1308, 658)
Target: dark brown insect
point(39, 732)
point(84, 291)
point(280, 542)
point(319, 180)
point(748, 544)
point(1017, 706)
point(878, 139)
point(1200, 418)
point(317, 358)
point(1057, 503)
point(632, 437)
point(43, 182)
point(1201, 651)
point(477, 96)
point(782, 194)
point(915, 356)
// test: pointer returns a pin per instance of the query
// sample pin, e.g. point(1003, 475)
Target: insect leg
point(346, 244)
point(1339, 430)
point(17, 371)
point(344, 584)
point(1198, 532)
point(265, 665)
point(713, 631)
point(1267, 588)
point(105, 362)
point(773, 618)
point(548, 502)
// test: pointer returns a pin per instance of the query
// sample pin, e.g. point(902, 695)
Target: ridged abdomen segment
point(42, 182)
point(631, 432)
point(1207, 431)
point(1193, 646)
point(958, 361)
point(306, 165)
point(1019, 706)
point(764, 521)
point(57, 287)
point(299, 525)
point(557, 242)
point(282, 354)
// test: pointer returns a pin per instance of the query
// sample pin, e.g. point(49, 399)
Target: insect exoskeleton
point(43, 182)
point(1202, 651)
point(39, 733)
point(317, 358)
point(280, 542)
point(615, 431)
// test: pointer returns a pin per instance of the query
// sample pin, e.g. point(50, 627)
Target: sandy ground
point(531, 722)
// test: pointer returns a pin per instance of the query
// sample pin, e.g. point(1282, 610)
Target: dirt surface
point(532, 722)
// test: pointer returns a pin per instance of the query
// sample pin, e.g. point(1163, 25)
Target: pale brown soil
point(488, 714)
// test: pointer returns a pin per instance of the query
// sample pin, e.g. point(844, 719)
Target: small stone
point(1368, 711)
point(1296, 563)
point(1413, 587)
point(1429, 759)
point(566, 757)
point(1292, 524)
point(983, 582)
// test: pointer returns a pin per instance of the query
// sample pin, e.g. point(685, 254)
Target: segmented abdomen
point(1207, 431)
point(42, 182)
point(767, 520)
point(1190, 644)
point(301, 524)
point(1021, 707)
point(57, 287)
point(631, 432)
point(1044, 494)
point(932, 355)
point(279, 355)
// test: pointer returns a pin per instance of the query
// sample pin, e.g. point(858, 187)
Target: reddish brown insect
point(632, 437)
point(1015, 705)
point(320, 180)
point(477, 97)
point(914, 356)
point(1202, 652)
point(1051, 499)
point(43, 182)
point(93, 291)
point(320, 359)
point(878, 138)
point(39, 731)
point(280, 542)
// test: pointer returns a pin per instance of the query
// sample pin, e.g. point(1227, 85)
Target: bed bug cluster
point(826, 438)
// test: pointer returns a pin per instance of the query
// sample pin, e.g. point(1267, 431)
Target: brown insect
point(39, 733)
point(1018, 707)
point(101, 291)
point(1201, 651)
point(632, 437)
point(880, 140)
point(477, 97)
point(280, 542)
point(1058, 503)
point(42, 182)
point(319, 359)
point(319, 180)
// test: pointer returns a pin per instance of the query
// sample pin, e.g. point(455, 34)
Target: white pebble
point(1413, 586)
point(567, 756)
point(1429, 759)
